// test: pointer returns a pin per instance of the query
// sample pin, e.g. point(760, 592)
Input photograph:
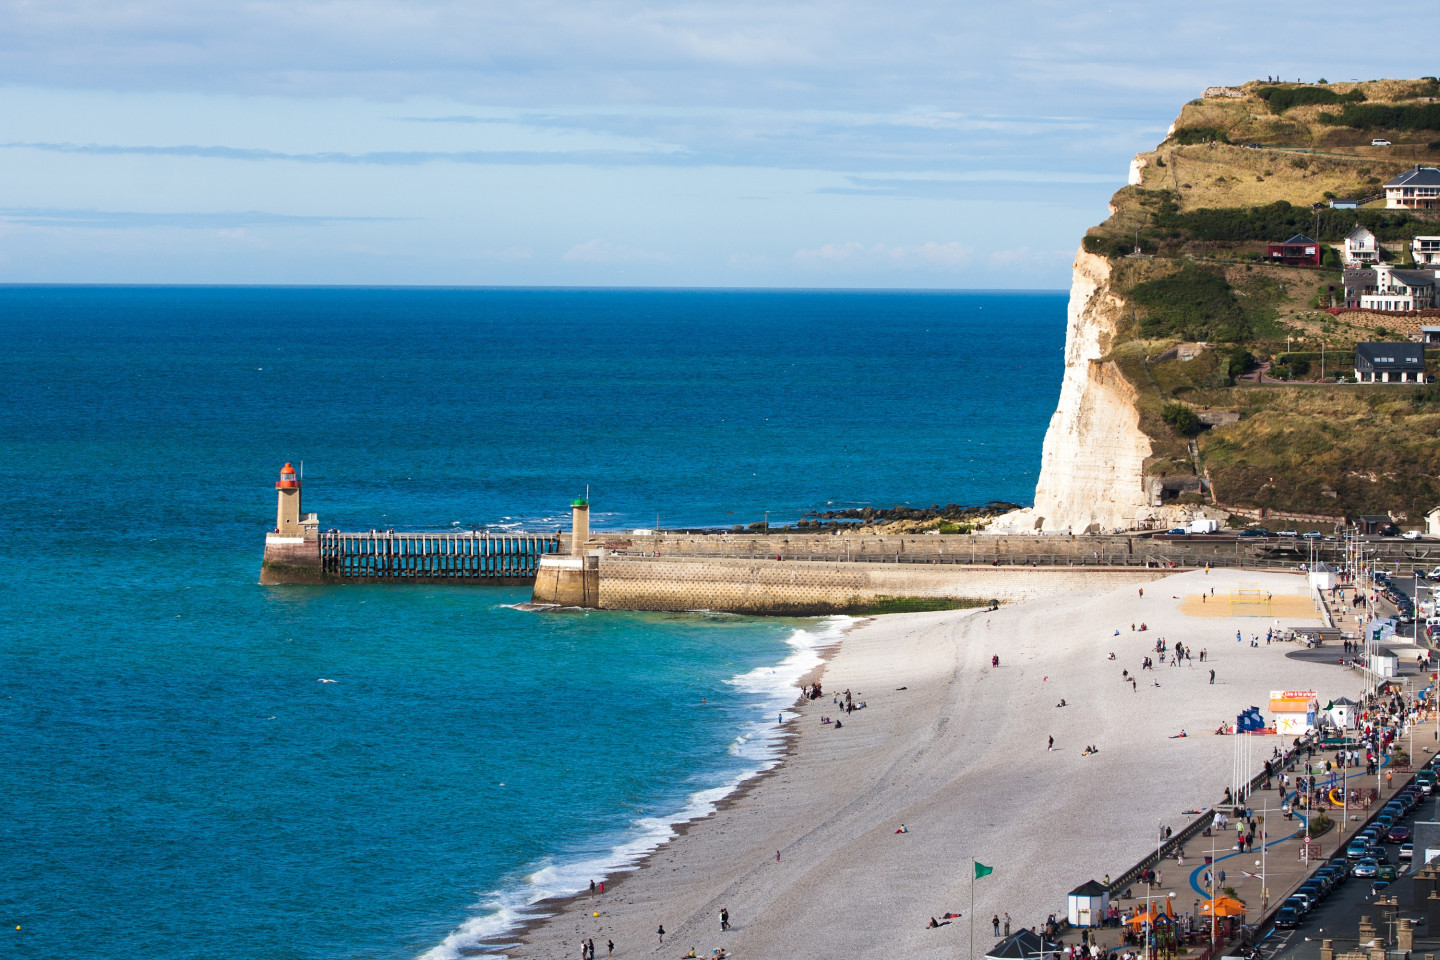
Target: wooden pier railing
point(469, 556)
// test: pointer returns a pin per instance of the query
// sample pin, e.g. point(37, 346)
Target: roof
point(1392, 356)
point(1090, 888)
point(1414, 278)
point(1344, 702)
point(1418, 177)
point(1359, 231)
point(1023, 946)
point(1299, 239)
point(1337, 201)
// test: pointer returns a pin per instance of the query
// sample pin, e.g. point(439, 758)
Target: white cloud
point(930, 254)
point(601, 251)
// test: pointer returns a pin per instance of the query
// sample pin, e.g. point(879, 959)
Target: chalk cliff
point(1094, 453)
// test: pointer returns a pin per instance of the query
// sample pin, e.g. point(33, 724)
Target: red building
point(1298, 250)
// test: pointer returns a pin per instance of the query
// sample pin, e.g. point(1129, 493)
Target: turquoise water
point(179, 782)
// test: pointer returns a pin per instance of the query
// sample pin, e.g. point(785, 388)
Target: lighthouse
point(287, 511)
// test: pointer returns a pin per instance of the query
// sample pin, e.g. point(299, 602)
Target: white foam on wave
point(776, 688)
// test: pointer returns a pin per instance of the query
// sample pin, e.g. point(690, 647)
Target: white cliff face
point(1136, 178)
point(1094, 454)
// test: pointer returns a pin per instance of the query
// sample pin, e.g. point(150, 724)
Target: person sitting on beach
point(1112, 656)
point(688, 956)
point(1061, 703)
point(902, 829)
point(934, 923)
point(1086, 752)
point(838, 724)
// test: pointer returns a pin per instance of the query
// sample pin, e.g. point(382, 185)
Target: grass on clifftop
point(1239, 173)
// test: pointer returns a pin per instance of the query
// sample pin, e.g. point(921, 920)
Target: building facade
point(1417, 189)
point(1390, 363)
point(1361, 247)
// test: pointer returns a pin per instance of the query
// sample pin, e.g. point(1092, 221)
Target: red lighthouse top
point(287, 479)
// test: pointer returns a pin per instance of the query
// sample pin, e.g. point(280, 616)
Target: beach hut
point(1342, 712)
point(1024, 945)
point(1088, 904)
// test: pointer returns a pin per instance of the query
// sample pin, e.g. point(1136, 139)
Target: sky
point(740, 144)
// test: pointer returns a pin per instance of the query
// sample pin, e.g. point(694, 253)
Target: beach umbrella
point(1024, 946)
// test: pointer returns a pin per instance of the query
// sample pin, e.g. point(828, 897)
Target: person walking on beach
point(661, 933)
point(724, 919)
point(1212, 678)
point(610, 948)
point(1051, 745)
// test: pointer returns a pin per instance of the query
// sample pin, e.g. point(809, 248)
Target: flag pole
point(972, 908)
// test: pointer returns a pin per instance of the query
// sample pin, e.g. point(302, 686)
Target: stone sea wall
point(801, 589)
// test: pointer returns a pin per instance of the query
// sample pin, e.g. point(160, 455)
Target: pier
point(297, 552)
point(470, 557)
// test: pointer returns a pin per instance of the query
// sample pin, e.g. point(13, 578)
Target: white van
point(1379, 142)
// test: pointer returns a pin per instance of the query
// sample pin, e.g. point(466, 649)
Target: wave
point(775, 688)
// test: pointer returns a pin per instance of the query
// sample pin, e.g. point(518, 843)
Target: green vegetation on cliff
point(1217, 341)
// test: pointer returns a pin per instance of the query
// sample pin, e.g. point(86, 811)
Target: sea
point(193, 765)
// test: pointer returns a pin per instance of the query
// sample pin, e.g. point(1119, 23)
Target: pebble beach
point(807, 858)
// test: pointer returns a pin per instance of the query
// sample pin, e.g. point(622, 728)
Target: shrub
point(1191, 135)
point(1184, 420)
point(1239, 362)
point(1192, 304)
point(1280, 99)
point(1385, 116)
point(1299, 366)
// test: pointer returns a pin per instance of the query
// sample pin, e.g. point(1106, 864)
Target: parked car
point(1287, 917)
point(1311, 535)
point(1407, 851)
point(1355, 849)
point(1288, 533)
point(1379, 142)
point(1364, 868)
point(1378, 853)
point(1411, 535)
point(1385, 872)
point(1177, 532)
point(1254, 532)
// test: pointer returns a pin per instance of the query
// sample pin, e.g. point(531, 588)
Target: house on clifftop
point(1361, 247)
point(1417, 189)
point(1400, 291)
point(1299, 250)
point(1390, 362)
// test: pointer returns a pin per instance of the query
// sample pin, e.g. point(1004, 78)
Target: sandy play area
point(957, 752)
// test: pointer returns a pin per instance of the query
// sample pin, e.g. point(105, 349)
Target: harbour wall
point(808, 589)
point(1054, 549)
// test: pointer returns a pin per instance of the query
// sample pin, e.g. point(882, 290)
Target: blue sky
point(837, 144)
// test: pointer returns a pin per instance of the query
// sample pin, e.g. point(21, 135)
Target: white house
point(1400, 290)
point(1432, 522)
point(1361, 247)
point(1417, 189)
point(1425, 250)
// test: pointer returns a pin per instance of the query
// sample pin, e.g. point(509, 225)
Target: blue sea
point(178, 782)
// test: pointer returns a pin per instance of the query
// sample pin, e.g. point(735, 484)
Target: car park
point(1364, 868)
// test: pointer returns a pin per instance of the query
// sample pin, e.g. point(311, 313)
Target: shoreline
point(556, 905)
point(461, 942)
point(962, 761)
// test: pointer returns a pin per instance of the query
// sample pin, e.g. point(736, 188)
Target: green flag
point(982, 871)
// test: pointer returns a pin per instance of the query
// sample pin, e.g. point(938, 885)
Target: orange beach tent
point(1224, 907)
